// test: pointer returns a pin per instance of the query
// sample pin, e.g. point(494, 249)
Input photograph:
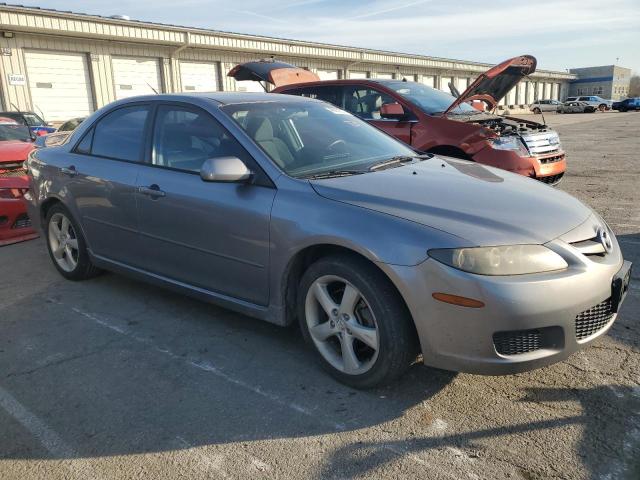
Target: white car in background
point(545, 106)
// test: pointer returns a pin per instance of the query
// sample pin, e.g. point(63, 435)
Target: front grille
point(542, 143)
point(17, 172)
point(517, 342)
point(593, 320)
point(551, 159)
point(551, 179)
point(23, 221)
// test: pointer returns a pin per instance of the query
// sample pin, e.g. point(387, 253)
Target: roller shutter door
point(60, 84)
point(444, 84)
point(358, 75)
point(386, 76)
point(327, 74)
point(429, 80)
point(136, 76)
point(199, 77)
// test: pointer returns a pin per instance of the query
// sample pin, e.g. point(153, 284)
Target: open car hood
point(495, 83)
point(276, 73)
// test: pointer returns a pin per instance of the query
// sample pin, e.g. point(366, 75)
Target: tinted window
point(84, 146)
point(184, 138)
point(120, 134)
point(331, 94)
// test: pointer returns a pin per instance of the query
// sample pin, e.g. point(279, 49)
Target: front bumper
point(548, 168)
point(469, 339)
point(15, 225)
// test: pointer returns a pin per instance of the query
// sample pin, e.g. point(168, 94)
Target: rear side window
point(118, 135)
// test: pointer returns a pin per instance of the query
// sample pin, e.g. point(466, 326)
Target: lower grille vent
point(517, 341)
point(593, 320)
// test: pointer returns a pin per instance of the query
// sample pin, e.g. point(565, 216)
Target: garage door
point(386, 76)
point(136, 76)
point(358, 75)
point(327, 74)
point(199, 77)
point(60, 84)
point(444, 84)
point(429, 80)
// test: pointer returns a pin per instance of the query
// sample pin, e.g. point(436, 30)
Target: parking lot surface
point(112, 378)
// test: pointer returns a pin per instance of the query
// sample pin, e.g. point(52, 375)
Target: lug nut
point(334, 312)
point(332, 323)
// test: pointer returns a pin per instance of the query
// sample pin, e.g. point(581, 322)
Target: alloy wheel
point(342, 325)
point(63, 242)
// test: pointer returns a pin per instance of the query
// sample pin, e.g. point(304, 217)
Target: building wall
point(100, 39)
point(608, 81)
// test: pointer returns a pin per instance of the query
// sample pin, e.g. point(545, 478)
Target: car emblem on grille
point(605, 239)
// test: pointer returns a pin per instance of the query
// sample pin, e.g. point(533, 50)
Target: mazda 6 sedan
point(289, 209)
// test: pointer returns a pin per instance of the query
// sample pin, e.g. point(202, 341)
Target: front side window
point(119, 135)
point(184, 138)
point(365, 102)
point(311, 138)
point(430, 100)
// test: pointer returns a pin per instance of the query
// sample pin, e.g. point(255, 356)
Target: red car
point(434, 121)
point(16, 141)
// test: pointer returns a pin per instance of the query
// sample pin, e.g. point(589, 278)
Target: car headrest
point(260, 129)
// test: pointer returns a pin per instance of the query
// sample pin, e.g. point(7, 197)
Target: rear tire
point(356, 322)
point(536, 111)
point(67, 246)
point(602, 107)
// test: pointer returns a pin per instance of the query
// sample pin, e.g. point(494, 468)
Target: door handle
point(70, 171)
point(152, 191)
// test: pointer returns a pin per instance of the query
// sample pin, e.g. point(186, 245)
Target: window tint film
point(185, 138)
point(120, 134)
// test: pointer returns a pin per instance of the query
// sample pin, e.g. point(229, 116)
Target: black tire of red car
point(84, 269)
point(398, 342)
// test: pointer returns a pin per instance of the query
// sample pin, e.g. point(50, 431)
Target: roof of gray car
point(224, 97)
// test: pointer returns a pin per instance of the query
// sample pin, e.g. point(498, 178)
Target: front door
point(365, 102)
point(103, 169)
point(210, 235)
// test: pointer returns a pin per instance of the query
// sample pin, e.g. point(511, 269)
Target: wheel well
point(44, 208)
point(299, 264)
point(450, 151)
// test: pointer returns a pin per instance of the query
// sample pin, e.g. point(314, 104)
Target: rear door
point(102, 171)
point(210, 235)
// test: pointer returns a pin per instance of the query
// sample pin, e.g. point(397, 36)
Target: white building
point(68, 64)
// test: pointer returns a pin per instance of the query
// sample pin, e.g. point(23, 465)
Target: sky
point(561, 34)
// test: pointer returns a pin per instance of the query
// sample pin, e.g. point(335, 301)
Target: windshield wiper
point(333, 173)
point(397, 160)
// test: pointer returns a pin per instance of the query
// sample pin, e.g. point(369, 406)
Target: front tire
point(356, 322)
point(536, 111)
point(66, 245)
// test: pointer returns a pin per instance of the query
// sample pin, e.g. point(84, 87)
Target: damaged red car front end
point(16, 143)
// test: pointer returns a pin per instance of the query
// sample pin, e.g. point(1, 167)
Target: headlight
point(504, 260)
point(509, 143)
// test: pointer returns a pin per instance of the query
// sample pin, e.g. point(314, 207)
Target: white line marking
point(49, 439)
point(210, 368)
point(90, 316)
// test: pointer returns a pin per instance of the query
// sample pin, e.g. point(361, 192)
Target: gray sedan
point(290, 209)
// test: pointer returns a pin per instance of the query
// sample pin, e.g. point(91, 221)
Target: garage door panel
point(60, 84)
point(199, 76)
point(136, 76)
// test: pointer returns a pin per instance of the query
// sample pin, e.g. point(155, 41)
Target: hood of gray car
point(483, 205)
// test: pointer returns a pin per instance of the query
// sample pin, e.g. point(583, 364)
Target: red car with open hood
point(16, 142)
point(431, 120)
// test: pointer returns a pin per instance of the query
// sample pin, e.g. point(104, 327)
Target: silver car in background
point(576, 107)
point(544, 106)
point(290, 209)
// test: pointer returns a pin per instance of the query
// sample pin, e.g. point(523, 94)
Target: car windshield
point(33, 120)
point(429, 99)
point(14, 131)
point(307, 139)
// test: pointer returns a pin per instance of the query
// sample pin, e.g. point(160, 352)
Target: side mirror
point(225, 169)
point(392, 111)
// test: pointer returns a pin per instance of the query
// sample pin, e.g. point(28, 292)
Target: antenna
point(154, 90)
point(14, 106)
